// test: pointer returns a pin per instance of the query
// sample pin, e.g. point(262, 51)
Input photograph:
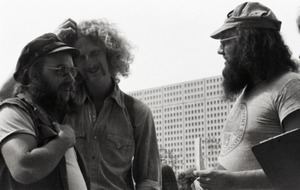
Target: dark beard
point(236, 77)
point(49, 100)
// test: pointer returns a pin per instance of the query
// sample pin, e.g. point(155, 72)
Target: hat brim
point(75, 52)
point(265, 24)
point(218, 32)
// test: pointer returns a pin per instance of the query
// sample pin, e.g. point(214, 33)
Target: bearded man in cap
point(260, 74)
point(36, 150)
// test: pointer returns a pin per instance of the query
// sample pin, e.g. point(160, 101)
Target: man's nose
point(70, 78)
point(90, 63)
point(221, 50)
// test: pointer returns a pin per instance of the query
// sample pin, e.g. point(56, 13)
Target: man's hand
point(215, 179)
point(67, 31)
point(65, 133)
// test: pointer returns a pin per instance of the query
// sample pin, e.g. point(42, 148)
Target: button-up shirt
point(118, 153)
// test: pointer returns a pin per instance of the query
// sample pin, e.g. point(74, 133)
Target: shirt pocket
point(118, 150)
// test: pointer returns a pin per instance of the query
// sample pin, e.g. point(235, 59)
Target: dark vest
point(57, 179)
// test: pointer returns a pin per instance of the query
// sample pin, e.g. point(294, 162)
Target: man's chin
point(232, 88)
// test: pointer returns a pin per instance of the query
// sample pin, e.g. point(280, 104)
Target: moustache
point(67, 87)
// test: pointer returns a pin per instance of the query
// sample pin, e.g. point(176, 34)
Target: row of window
point(195, 124)
point(191, 112)
point(213, 87)
point(214, 80)
point(192, 90)
point(197, 83)
point(216, 121)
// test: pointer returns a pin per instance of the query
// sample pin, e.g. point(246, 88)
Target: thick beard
point(235, 77)
point(49, 100)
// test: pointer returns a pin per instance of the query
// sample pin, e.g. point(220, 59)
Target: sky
point(170, 38)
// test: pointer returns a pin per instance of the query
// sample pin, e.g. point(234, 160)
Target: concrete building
point(186, 111)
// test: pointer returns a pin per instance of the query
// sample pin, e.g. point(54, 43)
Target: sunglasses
point(63, 71)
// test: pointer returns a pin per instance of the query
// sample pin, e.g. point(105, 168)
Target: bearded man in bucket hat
point(36, 150)
point(260, 74)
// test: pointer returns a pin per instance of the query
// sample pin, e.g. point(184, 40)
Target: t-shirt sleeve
point(14, 120)
point(288, 99)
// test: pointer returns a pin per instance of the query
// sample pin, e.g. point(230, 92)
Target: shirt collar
point(116, 94)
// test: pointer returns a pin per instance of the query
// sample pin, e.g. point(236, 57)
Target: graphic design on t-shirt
point(234, 128)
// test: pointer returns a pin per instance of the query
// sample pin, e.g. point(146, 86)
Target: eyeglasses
point(229, 38)
point(64, 71)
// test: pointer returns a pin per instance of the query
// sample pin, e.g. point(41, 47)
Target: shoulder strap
point(128, 100)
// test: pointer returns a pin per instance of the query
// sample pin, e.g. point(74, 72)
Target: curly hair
point(118, 50)
point(263, 53)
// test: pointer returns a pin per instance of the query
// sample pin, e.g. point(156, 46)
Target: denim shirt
point(117, 151)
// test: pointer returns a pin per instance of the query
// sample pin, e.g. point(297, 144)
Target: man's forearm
point(251, 179)
point(224, 179)
point(39, 162)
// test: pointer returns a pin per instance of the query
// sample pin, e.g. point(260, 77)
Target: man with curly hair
point(114, 131)
point(258, 71)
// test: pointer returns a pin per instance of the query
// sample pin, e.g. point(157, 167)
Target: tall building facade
point(183, 112)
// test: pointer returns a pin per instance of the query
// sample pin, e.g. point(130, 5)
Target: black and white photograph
point(149, 95)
